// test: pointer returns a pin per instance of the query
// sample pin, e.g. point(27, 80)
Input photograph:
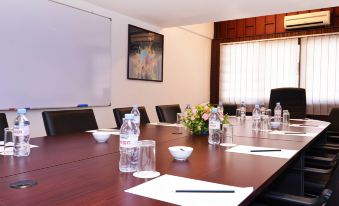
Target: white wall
point(187, 55)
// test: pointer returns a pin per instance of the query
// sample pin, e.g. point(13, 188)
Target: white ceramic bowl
point(101, 137)
point(275, 125)
point(180, 152)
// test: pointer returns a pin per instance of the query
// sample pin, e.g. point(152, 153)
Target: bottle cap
point(21, 111)
point(278, 103)
point(135, 106)
point(220, 102)
point(129, 116)
point(214, 110)
point(257, 106)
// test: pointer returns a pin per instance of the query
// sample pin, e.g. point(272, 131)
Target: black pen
point(266, 150)
point(206, 191)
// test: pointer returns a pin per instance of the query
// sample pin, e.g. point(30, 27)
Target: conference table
point(73, 169)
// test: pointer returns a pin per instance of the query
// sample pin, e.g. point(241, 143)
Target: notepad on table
point(263, 151)
point(163, 188)
point(305, 134)
point(164, 124)
point(307, 125)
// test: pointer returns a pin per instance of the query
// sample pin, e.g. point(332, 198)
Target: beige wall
point(186, 70)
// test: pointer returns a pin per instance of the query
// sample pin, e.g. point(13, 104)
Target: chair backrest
point(292, 99)
point(3, 125)
point(68, 121)
point(230, 109)
point(334, 119)
point(168, 113)
point(119, 113)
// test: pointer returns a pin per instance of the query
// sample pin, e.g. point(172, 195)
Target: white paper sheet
point(308, 120)
point(9, 150)
point(307, 125)
point(306, 134)
point(164, 124)
point(110, 131)
point(163, 188)
point(284, 153)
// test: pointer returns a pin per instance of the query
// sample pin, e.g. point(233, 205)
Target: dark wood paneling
point(279, 23)
point(215, 70)
point(270, 24)
point(241, 28)
point(260, 25)
point(231, 29)
point(249, 26)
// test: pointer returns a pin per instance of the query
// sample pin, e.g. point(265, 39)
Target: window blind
point(248, 71)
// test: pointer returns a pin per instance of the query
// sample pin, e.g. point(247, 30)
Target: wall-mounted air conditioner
point(320, 18)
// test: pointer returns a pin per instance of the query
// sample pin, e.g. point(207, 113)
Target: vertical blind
point(319, 73)
point(248, 71)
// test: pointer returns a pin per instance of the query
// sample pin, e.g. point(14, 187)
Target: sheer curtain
point(248, 71)
point(320, 73)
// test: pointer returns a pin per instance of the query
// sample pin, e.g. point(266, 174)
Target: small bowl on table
point(180, 153)
point(101, 137)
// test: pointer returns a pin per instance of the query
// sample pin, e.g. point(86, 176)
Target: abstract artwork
point(145, 54)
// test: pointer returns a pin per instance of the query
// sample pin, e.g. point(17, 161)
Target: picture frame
point(145, 54)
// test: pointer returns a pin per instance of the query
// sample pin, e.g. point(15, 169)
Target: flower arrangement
point(196, 119)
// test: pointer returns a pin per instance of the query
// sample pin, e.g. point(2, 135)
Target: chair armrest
point(316, 170)
point(325, 147)
point(322, 159)
point(298, 200)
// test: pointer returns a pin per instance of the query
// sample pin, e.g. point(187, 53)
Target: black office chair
point(291, 99)
point(230, 109)
point(168, 113)
point(68, 121)
point(333, 130)
point(329, 196)
point(3, 125)
point(119, 114)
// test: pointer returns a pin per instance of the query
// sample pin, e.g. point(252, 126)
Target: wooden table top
point(74, 170)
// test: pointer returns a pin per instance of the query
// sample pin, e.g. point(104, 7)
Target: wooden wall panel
point(240, 28)
point(279, 23)
point(260, 25)
point(250, 27)
point(270, 24)
point(231, 29)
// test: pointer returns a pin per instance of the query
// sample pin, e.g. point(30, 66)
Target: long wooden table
point(75, 170)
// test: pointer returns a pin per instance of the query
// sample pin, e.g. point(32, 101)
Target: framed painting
point(145, 54)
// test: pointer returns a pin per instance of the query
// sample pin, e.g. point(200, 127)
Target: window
point(320, 73)
point(248, 71)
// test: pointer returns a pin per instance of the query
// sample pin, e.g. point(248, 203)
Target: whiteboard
point(53, 55)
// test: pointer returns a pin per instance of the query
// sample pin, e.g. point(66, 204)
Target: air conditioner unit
point(320, 18)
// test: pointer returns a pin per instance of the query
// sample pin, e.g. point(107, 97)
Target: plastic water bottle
point(286, 117)
point(277, 111)
point(136, 114)
point(256, 116)
point(220, 108)
point(129, 135)
point(243, 110)
point(214, 128)
point(21, 134)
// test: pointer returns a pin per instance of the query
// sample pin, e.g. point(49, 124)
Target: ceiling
point(169, 13)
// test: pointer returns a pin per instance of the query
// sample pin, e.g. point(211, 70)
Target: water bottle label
point(214, 125)
point(21, 131)
point(128, 140)
point(137, 119)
